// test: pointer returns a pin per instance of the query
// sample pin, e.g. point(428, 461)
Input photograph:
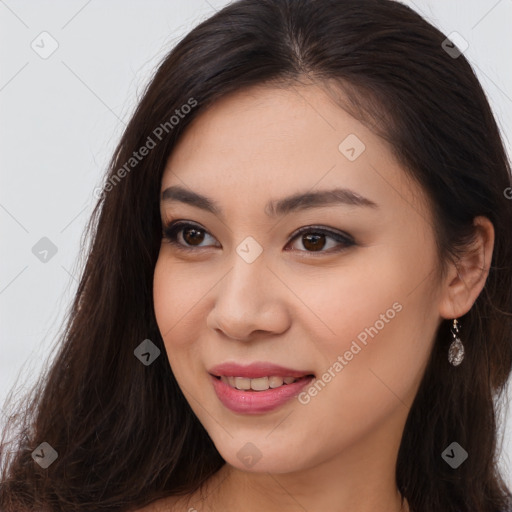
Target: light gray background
point(62, 116)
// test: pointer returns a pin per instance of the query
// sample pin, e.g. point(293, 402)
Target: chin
point(253, 454)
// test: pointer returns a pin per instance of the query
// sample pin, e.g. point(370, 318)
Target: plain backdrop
point(62, 113)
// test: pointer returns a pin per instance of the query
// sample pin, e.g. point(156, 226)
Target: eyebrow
point(275, 208)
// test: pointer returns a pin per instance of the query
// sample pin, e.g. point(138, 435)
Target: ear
point(466, 277)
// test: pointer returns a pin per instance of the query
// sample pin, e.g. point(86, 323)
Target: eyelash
point(172, 229)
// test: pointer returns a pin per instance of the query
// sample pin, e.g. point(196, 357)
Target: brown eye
point(185, 235)
point(313, 242)
point(193, 236)
point(322, 240)
point(188, 236)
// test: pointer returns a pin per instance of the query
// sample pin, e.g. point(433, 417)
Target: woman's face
point(241, 291)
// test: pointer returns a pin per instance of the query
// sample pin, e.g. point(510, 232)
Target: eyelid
point(172, 228)
point(336, 234)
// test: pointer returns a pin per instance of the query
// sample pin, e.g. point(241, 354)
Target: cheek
point(170, 303)
point(384, 320)
point(179, 292)
point(164, 298)
point(181, 303)
point(365, 383)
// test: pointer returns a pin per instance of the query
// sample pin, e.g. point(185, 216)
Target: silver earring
point(456, 350)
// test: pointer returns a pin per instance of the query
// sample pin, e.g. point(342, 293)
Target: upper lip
point(256, 370)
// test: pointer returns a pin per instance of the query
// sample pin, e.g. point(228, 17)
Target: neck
point(292, 492)
point(360, 478)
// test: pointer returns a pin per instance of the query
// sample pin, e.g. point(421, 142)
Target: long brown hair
point(123, 431)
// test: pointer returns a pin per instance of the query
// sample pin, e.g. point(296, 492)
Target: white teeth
point(259, 384)
point(275, 382)
point(242, 383)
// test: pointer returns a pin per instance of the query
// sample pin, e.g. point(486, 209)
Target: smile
point(259, 384)
point(242, 395)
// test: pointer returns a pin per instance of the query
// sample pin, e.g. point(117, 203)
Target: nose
point(250, 301)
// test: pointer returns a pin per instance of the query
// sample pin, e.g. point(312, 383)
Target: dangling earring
point(456, 350)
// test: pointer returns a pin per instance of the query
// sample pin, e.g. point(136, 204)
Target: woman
point(298, 295)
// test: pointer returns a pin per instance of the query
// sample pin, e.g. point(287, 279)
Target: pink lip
point(256, 370)
point(256, 402)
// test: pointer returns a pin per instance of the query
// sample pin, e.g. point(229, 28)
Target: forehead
point(262, 123)
point(266, 142)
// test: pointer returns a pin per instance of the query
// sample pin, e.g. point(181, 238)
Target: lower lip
point(256, 402)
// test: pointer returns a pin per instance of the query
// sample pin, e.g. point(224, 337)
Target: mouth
point(260, 383)
point(257, 388)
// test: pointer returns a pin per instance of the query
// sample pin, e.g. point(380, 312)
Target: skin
point(302, 308)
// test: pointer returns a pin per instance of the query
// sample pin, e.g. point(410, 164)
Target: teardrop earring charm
point(456, 350)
